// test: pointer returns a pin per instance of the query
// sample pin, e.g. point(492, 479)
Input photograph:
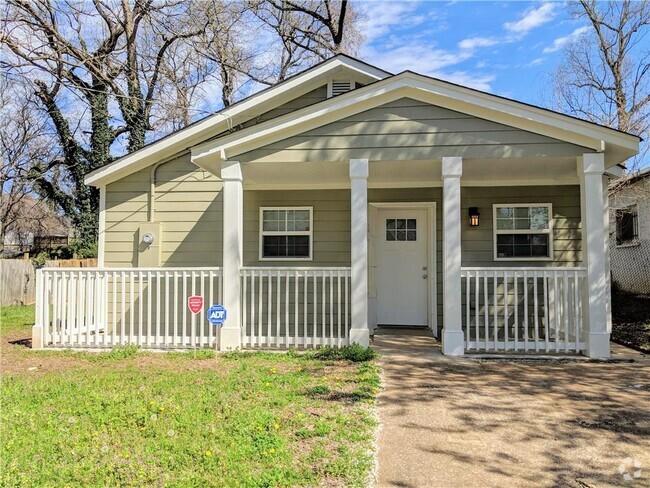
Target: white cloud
point(428, 60)
point(475, 42)
point(532, 18)
point(382, 17)
point(480, 82)
point(414, 56)
point(560, 42)
point(535, 62)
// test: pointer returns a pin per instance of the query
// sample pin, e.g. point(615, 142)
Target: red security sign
point(195, 303)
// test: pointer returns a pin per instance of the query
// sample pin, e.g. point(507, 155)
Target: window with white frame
point(286, 233)
point(627, 227)
point(523, 231)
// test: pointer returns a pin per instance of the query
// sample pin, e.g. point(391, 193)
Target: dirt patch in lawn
point(17, 357)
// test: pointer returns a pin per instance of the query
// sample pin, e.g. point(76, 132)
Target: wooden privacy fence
point(295, 307)
point(17, 282)
point(523, 309)
point(98, 308)
point(72, 263)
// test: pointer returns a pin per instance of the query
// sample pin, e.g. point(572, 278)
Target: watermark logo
point(630, 469)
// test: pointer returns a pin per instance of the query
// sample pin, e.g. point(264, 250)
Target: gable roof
point(382, 87)
point(235, 114)
point(618, 146)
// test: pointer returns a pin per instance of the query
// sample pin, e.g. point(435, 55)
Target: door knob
point(424, 268)
point(425, 276)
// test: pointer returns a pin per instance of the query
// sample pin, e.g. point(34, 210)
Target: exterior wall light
point(148, 238)
point(473, 216)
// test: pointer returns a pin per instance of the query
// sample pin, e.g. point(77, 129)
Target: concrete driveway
point(449, 422)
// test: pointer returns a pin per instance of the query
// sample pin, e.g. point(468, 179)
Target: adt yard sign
point(216, 315)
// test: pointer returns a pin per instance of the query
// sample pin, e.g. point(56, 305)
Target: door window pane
point(401, 229)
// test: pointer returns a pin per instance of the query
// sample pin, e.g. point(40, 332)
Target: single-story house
point(629, 203)
point(347, 198)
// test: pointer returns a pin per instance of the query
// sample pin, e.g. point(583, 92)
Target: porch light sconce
point(473, 216)
point(147, 238)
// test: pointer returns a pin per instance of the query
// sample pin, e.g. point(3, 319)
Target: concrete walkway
point(448, 422)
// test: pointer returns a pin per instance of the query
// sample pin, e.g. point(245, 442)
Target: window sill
point(285, 259)
point(629, 244)
point(522, 259)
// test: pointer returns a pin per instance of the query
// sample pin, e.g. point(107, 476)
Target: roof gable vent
point(339, 87)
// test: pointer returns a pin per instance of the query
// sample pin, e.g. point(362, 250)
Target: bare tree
point(605, 76)
point(24, 143)
point(308, 32)
point(94, 53)
point(110, 74)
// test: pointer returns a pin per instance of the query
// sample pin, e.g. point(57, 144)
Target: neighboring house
point(347, 198)
point(35, 227)
point(629, 204)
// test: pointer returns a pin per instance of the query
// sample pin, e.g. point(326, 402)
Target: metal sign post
point(216, 315)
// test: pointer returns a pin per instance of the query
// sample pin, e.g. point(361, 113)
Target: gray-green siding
point(188, 203)
point(408, 129)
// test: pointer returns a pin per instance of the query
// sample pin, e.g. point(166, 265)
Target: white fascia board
point(425, 89)
point(536, 115)
point(258, 103)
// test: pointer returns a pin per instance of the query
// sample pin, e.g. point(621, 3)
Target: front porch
point(552, 307)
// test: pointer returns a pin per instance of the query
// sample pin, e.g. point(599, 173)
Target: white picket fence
point(286, 307)
point(102, 308)
point(523, 309)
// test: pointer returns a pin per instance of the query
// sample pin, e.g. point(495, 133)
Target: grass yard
point(16, 318)
point(130, 418)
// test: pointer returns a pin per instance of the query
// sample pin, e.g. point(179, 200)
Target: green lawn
point(183, 419)
point(16, 317)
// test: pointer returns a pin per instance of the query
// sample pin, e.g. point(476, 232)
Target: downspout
point(152, 185)
point(152, 190)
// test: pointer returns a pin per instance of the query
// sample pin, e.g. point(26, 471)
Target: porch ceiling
point(415, 173)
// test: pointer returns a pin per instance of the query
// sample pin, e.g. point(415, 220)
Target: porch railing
point(295, 307)
point(102, 308)
point(523, 309)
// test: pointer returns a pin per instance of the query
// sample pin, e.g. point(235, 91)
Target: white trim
point(233, 254)
point(593, 203)
point(101, 235)
point(405, 184)
point(227, 118)
point(548, 231)
point(443, 94)
point(453, 338)
point(432, 292)
point(359, 331)
point(263, 233)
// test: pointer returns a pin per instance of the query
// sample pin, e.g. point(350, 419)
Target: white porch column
point(233, 231)
point(594, 254)
point(453, 339)
point(359, 251)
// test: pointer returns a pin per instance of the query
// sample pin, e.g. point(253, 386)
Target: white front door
point(402, 266)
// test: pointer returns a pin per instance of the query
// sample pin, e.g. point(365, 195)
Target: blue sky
point(506, 48)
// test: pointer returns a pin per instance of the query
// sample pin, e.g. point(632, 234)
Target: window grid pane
point(522, 245)
point(277, 221)
point(285, 246)
point(522, 218)
point(401, 229)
